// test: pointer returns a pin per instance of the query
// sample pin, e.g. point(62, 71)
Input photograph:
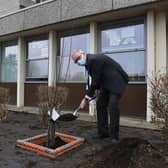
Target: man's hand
point(83, 103)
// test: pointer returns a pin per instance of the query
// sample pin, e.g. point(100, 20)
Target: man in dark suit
point(110, 79)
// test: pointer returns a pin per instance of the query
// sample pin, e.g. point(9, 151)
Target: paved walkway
point(124, 121)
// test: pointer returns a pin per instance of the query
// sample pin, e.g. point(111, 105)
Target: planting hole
point(58, 142)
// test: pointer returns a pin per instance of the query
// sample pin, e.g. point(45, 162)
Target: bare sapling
point(51, 98)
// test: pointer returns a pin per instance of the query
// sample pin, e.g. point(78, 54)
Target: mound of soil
point(129, 153)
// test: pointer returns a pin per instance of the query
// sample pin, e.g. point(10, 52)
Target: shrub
point(159, 99)
point(49, 98)
point(4, 100)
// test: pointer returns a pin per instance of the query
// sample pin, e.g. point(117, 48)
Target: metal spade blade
point(69, 116)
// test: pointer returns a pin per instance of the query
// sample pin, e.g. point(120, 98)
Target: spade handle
point(77, 110)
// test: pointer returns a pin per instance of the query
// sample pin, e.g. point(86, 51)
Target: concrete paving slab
point(124, 121)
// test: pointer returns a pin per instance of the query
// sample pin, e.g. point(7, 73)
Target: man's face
point(76, 56)
point(79, 58)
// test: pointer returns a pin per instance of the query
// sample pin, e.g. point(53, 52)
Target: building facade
point(36, 43)
point(8, 6)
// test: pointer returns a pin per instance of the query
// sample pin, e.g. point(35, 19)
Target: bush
point(159, 99)
point(49, 98)
point(4, 100)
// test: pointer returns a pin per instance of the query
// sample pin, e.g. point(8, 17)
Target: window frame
point(119, 24)
point(40, 79)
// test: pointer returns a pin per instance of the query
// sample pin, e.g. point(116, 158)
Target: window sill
point(75, 82)
point(36, 82)
point(137, 82)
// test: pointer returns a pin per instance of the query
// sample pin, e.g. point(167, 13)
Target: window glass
point(68, 71)
point(37, 59)
point(38, 49)
point(126, 46)
point(37, 68)
point(132, 62)
point(9, 63)
point(129, 37)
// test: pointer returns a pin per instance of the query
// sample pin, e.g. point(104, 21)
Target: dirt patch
point(131, 152)
point(58, 142)
point(67, 117)
point(30, 164)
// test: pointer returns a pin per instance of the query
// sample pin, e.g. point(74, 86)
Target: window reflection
point(38, 49)
point(132, 62)
point(37, 68)
point(9, 63)
point(129, 37)
point(69, 71)
point(37, 60)
point(126, 46)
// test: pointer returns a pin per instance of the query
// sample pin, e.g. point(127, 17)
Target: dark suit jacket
point(106, 74)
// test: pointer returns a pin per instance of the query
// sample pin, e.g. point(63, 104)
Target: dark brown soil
point(58, 142)
point(138, 148)
point(129, 153)
point(67, 117)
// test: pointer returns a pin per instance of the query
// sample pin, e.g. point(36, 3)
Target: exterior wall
point(13, 91)
point(151, 58)
point(167, 45)
point(129, 104)
point(30, 96)
point(26, 3)
point(161, 41)
point(57, 11)
point(20, 71)
point(133, 102)
point(127, 3)
point(73, 100)
point(76, 92)
point(8, 6)
point(156, 49)
point(52, 58)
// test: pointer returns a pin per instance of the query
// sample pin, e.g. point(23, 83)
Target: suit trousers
point(108, 102)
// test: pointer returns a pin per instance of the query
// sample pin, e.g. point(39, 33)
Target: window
point(37, 60)
point(125, 44)
point(68, 71)
point(9, 62)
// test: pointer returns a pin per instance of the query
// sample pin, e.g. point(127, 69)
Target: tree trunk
point(51, 134)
